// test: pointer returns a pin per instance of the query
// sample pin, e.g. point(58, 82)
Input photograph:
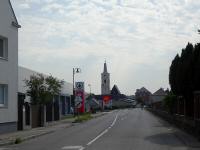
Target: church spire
point(105, 67)
point(105, 81)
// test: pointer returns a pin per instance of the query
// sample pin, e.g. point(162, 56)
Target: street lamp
point(90, 88)
point(75, 70)
point(90, 99)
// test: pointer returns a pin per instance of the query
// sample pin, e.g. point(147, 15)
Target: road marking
point(104, 132)
point(7, 148)
point(3, 148)
point(114, 121)
point(92, 141)
point(74, 147)
point(97, 137)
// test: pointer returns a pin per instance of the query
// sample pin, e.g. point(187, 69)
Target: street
point(127, 129)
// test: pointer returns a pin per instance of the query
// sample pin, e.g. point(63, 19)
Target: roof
point(14, 23)
point(143, 89)
point(161, 91)
point(105, 68)
point(115, 90)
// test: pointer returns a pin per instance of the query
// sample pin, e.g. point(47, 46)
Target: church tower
point(105, 81)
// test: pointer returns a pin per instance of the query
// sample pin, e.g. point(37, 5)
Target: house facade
point(157, 98)
point(8, 67)
point(143, 95)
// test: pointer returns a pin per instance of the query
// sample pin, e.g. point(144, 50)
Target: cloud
point(137, 37)
point(24, 6)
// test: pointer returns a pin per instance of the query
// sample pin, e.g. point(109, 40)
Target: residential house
point(143, 95)
point(8, 67)
point(157, 98)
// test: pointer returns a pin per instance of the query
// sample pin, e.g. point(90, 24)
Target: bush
point(169, 102)
point(18, 140)
point(83, 117)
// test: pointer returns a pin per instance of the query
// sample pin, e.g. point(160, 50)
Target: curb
point(99, 115)
point(7, 143)
point(12, 142)
point(37, 135)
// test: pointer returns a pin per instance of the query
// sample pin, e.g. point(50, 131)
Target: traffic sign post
point(78, 101)
point(79, 86)
point(80, 97)
point(75, 70)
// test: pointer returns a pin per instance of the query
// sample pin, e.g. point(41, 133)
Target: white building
point(25, 73)
point(105, 81)
point(8, 67)
point(61, 102)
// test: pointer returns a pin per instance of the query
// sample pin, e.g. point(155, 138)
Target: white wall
point(157, 98)
point(25, 73)
point(105, 87)
point(67, 88)
point(9, 68)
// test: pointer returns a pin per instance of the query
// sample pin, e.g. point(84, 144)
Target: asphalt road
point(128, 129)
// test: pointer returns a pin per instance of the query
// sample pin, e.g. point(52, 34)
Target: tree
point(36, 88)
point(53, 85)
point(41, 89)
point(196, 66)
point(169, 102)
point(173, 74)
point(181, 72)
point(184, 75)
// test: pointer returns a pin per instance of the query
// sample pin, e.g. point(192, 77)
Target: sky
point(137, 38)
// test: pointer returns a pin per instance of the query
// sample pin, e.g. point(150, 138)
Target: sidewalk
point(10, 138)
point(184, 137)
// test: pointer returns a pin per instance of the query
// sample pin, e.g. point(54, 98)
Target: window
point(3, 48)
point(3, 95)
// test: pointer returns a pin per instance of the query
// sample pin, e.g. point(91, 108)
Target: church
point(105, 81)
point(110, 99)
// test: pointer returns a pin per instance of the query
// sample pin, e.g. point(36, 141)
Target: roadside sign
point(80, 94)
point(106, 99)
point(80, 86)
point(78, 101)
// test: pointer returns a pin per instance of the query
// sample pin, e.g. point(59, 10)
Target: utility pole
point(73, 92)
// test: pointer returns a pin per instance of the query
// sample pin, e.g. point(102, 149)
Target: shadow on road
point(165, 139)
